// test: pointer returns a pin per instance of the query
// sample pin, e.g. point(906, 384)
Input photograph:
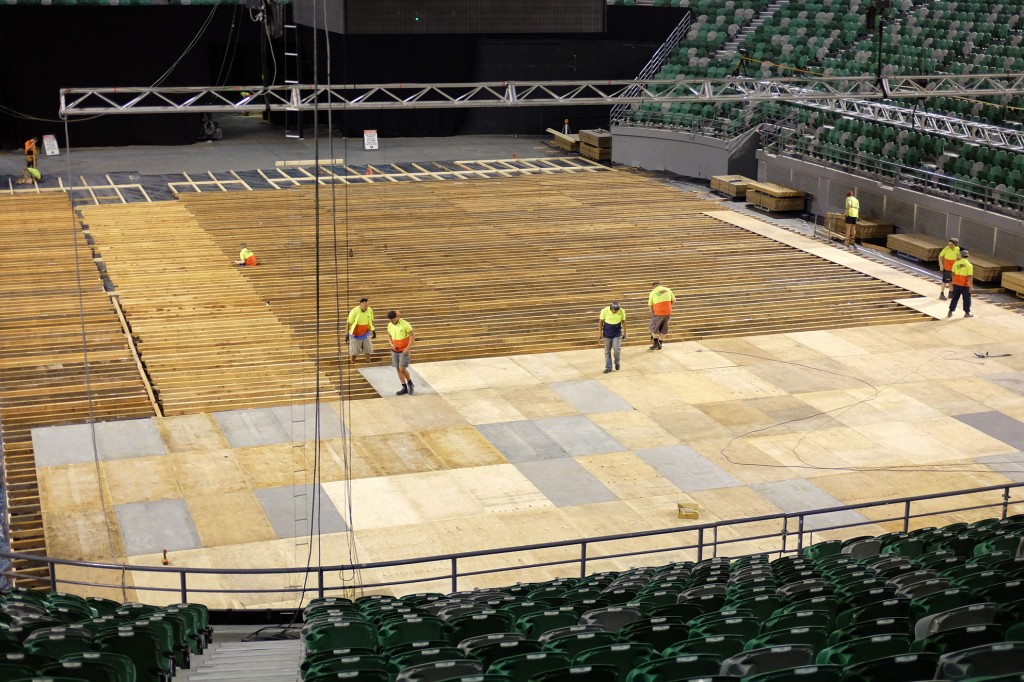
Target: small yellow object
point(688, 510)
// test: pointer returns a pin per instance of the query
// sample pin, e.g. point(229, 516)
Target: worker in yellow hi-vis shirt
point(613, 333)
point(947, 257)
point(360, 331)
point(852, 213)
point(402, 338)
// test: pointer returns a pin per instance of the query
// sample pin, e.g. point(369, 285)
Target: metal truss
point(99, 101)
point(923, 121)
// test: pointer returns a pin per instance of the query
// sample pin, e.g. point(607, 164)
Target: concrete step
point(239, 661)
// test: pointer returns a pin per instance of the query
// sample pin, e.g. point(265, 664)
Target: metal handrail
point(657, 60)
point(787, 541)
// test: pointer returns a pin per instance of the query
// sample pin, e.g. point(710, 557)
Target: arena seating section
point(69, 638)
point(936, 603)
point(830, 37)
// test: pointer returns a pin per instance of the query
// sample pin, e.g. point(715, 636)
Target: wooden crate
point(734, 186)
point(1013, 281)
point(597, 137)
point(989, 268)
point(921, 247)
point(866, 227)
point(772, 197)
point(595, 153)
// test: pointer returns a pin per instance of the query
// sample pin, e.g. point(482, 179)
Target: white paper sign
point(370, 139)
point(50, 145)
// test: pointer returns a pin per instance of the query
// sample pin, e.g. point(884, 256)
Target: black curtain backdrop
point(48, 48)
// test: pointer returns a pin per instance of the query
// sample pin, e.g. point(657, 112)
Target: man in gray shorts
point(402, 337)
point(360, 331)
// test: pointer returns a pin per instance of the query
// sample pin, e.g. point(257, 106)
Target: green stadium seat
point(10, 671)
point(982, 662)
point(795, 619)
point(572, 644)
point(810, 673)
point(341, 635)
point(955, 639)
point(743, 627)
point(816, 637)
point(122, 665)
point(436, 671)
point(658, 632)
point(482, 622)
point(583, 673)
point(867, 628)
point(886, 608)
point(676, 668)
point(863, 649)
point(938, 602)
point(624, 655)
point(900, 668)
point(969, 614)
point(536, 623)
point(143, 647)
point(489, 653)
point(757, 661)
point(58, 645)
point(723, 646)
point(526, 666)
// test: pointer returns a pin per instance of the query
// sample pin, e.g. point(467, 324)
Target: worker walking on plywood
point(947, 257)
point(963, 279)
point(660, 302)
point(360, 331)
point(402, 337)
point(613, 333)
point(245, 256)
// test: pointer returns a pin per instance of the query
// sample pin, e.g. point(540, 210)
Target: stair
point(276, 660)
point(728, 49)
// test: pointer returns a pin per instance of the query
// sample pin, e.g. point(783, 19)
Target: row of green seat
point(97, 639)
point(895, 607)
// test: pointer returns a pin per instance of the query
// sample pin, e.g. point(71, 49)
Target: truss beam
point(923, 121)
point(100, 101)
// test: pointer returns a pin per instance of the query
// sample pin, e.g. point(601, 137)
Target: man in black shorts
point(852, 212)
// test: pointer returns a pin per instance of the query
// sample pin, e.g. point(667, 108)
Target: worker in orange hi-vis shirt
point(660, 302)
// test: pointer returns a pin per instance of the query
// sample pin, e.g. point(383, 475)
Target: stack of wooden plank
point(733, 186)
point(866, 227)
point(596, 144)
point(918, 246)
point(772, 197)
point(1013, 281)
point(989, 268)
point(568, 141)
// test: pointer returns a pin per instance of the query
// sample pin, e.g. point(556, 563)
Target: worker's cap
point(954, 241)
point(364, 300)
point(850, 193)
point(964, 253)
point(614, 305)
point(392, 314)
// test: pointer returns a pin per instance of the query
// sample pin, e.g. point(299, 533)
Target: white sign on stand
point(370, 139)
point(50, 145)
